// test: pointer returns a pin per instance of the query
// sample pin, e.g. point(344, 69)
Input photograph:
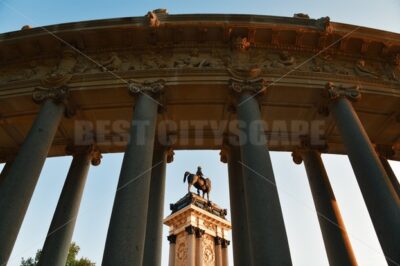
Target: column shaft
point(240, 230)
point(153, 242)
point(268, 240)
point(199, 251)
point(225, 260)
point(172, 245)
point(392, 177)
point(171, 261)
point(379, 195)
point(127, 229)
point(56, 246)
point(5, 171)
point(336, 240)
point(17, 189)
point(191, 259)
point(218, 253)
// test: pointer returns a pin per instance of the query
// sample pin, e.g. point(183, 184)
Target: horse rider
point(199, 173)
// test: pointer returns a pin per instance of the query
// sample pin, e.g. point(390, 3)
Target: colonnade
point(259, 234)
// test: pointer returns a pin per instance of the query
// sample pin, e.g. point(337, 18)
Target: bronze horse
point(200, 183)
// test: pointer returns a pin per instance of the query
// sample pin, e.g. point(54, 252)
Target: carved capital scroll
point(255, 86)
point(306, 144)
point(190, 229)
point(149, 87)
point(225, 243)
point(217, 240)
point(297, 157)
point(170, 154)
point(58, 95)
point(172, 239)
point(92, 150)
point(333, 92)
point(199, 232)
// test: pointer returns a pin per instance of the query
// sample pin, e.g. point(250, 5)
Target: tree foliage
point(71, 259)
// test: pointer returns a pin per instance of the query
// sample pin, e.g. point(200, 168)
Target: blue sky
point(305, 240)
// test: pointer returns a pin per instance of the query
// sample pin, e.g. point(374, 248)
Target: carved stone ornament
point(333, 92)
point(208, 251)
point(172, 239)
point(181, 251)
point(152, 19)
point(325, 23)
point(170, 155)
point(91, 150)
point(58, 95)
point(297, 158)
point(149, 87)
point(255, 86)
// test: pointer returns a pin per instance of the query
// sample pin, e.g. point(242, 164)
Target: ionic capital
point(91, 150)
point(170, 154)
point(334, 93)
point(306, 145)
point(253, 86)
point(227, 147)
point(224, 154)
point(297, 157)
point(152, 88)
point(218, 240)
point(58, 95)
point(190, 229)
point(225, 243)
point(199, 232)
point(172, 239)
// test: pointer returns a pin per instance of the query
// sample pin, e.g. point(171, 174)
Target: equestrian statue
point(199, 182)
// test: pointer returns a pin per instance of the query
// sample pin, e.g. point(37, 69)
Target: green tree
point(71, 259)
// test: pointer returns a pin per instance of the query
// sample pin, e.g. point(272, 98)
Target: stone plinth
point(198, 232)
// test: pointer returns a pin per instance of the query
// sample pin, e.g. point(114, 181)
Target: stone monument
point(198, 233)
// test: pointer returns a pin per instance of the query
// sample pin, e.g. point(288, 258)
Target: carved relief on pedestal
point(208, 250)
point(181, 254)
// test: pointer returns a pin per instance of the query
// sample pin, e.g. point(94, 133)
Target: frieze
point(242, 60)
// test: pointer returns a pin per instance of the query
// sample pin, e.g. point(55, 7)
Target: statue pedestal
point(198, 233)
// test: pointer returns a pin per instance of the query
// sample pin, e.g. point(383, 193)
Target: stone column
point(153, 242)
point(225, 260)
point(240, 230)
point(17, 189)
point(199, 246)
point(172, 244)
point(218, 251)
point(392, 176)
point(5, 171)
point(127, 230)
point(191, 256)
point(336, 240)
point(379, 195)
point(267, 234)
point(385, 153)
point(58, 240)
